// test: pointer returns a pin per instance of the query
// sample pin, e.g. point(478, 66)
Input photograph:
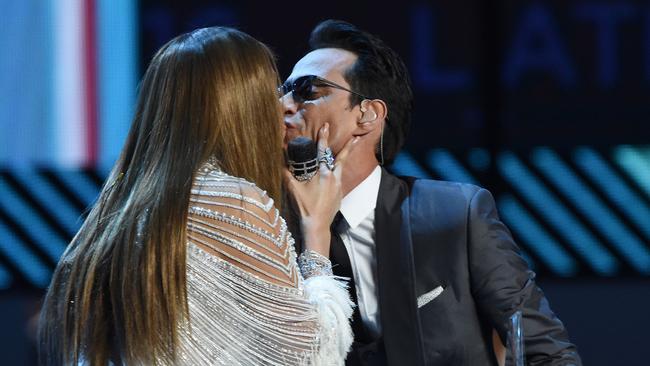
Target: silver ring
point(328, 158)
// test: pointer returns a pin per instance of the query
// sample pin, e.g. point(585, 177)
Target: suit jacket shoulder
point(460, 244)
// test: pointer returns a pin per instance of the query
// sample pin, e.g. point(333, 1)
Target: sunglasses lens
point(302, 88)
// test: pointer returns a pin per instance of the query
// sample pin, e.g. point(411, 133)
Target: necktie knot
point(338, 219)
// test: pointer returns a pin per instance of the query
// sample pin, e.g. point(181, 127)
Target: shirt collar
point(362, 200)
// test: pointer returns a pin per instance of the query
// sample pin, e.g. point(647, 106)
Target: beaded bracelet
point(312, 264)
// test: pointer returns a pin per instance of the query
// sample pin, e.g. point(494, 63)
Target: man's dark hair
point(379, 73)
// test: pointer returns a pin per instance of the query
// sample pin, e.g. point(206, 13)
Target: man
point(435, 274)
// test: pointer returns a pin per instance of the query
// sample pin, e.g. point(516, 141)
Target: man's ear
point(372, 111)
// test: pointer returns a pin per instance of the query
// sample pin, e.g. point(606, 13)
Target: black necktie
point(341, 266)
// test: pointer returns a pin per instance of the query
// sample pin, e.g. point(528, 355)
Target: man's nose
point(288, 104)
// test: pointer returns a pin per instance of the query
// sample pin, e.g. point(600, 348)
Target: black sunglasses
point(302, 88)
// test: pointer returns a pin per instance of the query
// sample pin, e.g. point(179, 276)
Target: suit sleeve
point(502, 283)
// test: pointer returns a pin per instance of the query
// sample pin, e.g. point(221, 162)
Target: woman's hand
point(319, 198)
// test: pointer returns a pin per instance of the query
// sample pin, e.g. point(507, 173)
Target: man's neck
point(355, 173)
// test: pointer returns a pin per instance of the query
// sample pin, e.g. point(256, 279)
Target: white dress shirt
point(358, 236)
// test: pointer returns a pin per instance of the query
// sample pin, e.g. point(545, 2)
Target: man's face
point(325, 104)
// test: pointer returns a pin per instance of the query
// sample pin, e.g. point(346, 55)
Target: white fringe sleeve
point(330, 296)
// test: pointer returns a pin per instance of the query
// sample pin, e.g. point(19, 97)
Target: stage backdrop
point(545, 103)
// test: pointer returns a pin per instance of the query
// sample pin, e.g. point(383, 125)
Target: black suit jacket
point(433, 233)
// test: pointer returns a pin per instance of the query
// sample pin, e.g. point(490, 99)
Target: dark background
point(545, 103)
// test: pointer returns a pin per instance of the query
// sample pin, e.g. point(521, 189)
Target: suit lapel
point(396, 275)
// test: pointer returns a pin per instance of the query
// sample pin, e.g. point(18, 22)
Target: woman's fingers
point(342, 156)
point(323, 146)
point(323, 136)
point(294, 188)
point(287, 176)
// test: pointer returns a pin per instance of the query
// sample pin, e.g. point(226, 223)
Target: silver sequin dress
point(248, 302)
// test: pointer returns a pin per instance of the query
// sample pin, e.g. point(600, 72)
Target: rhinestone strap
point(312, 264)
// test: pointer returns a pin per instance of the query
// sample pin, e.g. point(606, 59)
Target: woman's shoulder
point(213, 182)
point(231, 195)
point(239, 222)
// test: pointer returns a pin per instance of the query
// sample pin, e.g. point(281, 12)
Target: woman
point(183, 260)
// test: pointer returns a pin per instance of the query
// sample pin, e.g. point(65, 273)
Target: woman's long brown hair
point(119, 291)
